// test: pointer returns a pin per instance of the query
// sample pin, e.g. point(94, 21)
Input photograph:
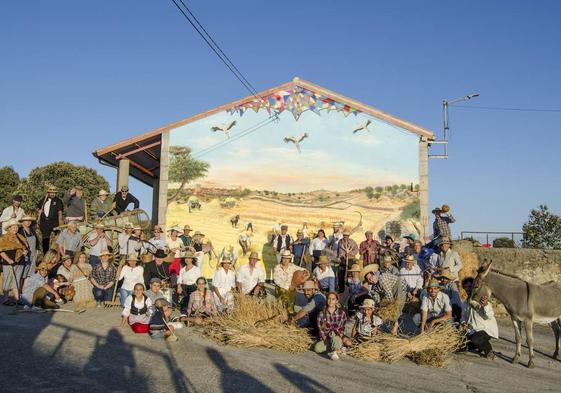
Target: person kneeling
point(159, 326)
point(331, 324)
point(307, 306)
point(367, 324)
point(38, 293)
point(435, 307)
point(137, 310)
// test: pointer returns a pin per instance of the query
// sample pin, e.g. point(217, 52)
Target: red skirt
point(140, 328)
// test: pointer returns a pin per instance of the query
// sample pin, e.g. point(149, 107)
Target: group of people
point(330, 285)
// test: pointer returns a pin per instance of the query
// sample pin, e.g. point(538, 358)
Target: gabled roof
point(145, 162)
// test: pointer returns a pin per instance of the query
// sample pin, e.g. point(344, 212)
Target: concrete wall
point(536, 266)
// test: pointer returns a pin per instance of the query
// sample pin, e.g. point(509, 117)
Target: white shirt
point(157, 244)
point(436, 307)
point(282, 277)
point(47, 207)
point(412, 278)
point(138, 304)
point(224, 281)
point(123, 238)
point(248, 278)
point(176, 244)
point(7, 215)
point(62, 270)
point(99, 246)
point(318, 244)
point(482, 318)
point(189, 277)
point(320, 275)
point(131, 276)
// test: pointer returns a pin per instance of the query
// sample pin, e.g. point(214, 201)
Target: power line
point(499, 108)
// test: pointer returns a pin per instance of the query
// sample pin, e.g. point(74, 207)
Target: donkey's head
point(479, 286)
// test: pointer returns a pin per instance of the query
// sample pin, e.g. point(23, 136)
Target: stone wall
point(536, 266)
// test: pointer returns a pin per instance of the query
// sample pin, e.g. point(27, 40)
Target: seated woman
point(137, 310)
point(53, 260)
point(324, 275)
point(130, 274)
point(186, 282)
point(201, 304)
point(159, 326)
point(37, 292)
point(81, 271)
point(224, 284)
point(366, 322)
point(65, 268)
point(331, 325)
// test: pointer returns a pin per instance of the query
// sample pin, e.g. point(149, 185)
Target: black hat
point(17, 198)
point(160, 253)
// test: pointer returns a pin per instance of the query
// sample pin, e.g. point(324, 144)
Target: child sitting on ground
point(159, 325)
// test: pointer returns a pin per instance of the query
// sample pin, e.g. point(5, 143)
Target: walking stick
point(15, 281)
point(113, 303)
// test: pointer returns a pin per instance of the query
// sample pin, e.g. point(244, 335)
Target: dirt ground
point(67, 352)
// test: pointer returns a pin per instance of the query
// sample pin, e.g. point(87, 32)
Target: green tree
point(503, 242)
point(377, 196)
point(62, 175)
point(379, 189)
point(183, 168)
point(369, 192)
point(542, 230)
point(9, 179)
point(402, 186)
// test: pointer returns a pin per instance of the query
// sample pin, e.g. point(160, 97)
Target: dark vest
point(139, 311)
point(279, 242)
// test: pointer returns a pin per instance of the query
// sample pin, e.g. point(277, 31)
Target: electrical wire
point(499, 108)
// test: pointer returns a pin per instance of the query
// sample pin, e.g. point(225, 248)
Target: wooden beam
point(140, 148)
point(138, 166)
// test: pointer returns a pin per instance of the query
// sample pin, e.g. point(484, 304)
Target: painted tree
point(369, 192)
point(62, 175)
point(9, 179)
point(542, 230)
point(184, 169)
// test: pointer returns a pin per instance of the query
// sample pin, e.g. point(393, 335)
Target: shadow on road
point(232, 380)
point(301, 381)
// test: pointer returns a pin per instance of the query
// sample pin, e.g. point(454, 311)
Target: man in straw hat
point(388, 265)
point(101, 205)
point(251, 277)
point(449, 287)
point(448, 259)
point(282, 242)
point(186, 236)
point(435, 307)
point(98, 241)
point(37, 293)
point(442, 220)
point(411, 274)
point(324, 275)
point(336, 236)
point(75, 204)
point(123, 199)
point(69, 240)
point(28, 232)
point(123, 240)
point(103, 278)
point(346, 253)
point(307, 306)
point(300, 248)
point(13, 249)
point(369, 248)
point(50, 210)
point(283, 277)
point(224, 284)
point(14, 211)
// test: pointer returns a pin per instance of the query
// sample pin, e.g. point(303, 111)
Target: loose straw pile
point(257, 323)
point(432, 348)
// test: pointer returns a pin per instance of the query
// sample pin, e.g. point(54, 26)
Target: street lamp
point(445, 104)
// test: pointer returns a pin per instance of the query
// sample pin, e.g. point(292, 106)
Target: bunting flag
point(296, 101)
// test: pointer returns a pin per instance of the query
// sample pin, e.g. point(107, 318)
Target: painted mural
point(294, 158)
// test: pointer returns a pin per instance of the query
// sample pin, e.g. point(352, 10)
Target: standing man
point(123, 199)
point(101, 205)
point(336, 236)
point(50, 215)
point(368, 249)
point(69, 240)
point(346, 253)
point(300, 247)
point(251, 278)
point(99, 242)
point(14, 211)
point(123, 239)
point(282, 242)
point(442, 221)
point(186, 237)
point(75, 205)
point(449, 259)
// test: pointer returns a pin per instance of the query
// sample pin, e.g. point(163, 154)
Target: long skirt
point(84, 294)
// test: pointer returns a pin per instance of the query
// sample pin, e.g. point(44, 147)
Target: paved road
point(63, 352)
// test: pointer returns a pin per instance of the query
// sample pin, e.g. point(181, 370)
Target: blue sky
point(75, 76)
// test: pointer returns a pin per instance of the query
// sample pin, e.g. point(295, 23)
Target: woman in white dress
point(224, 284)
point(131, 274)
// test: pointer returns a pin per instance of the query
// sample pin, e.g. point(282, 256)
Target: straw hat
point(299, 232)
point(132, 257)
point(11, 222)
point(189, 254)
point(187, 228)
point(367, 303)
point(346, 232)
point(175, 228)
point(387, 258)
point(355, 267)
point(286, 254)
point(446, 274)
point(128, 225)
point(309, 284)
point(254, 255)
point(409, 258)
point(66, 257)
point(52, 189)
point(27, 217)
point(104, 252)
point(99, 225)
point(225, 259)
point(372, 268)
point(42, 265)
point(323, 260)
point(102, 193)
point(444, 240)
point(137, 227)
point(125, 188)
point(198, 233)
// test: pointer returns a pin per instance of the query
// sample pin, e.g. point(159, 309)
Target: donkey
point(526, 303)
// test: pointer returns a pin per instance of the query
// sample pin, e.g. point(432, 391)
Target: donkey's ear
point(486, 268)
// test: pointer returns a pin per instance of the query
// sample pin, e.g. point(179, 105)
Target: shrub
point(503, 242)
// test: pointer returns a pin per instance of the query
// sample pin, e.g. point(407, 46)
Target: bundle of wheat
point(389, 310)
point(370, 351)
point(257, 323)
